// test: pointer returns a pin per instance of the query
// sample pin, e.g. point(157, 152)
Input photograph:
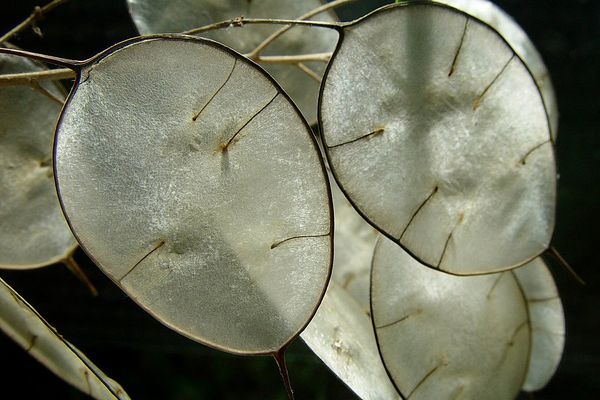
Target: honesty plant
point(197, 186)
point(34, 232)
point(219, 188)
point(449, 130)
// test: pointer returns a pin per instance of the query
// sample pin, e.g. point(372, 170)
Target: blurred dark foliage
point(154, 363)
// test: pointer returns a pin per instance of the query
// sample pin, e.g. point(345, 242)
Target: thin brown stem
point(241, 21)
point(74, 65)
point(36, 15)
point(78, 272)
point(563, 263)
point(28, 77)
point(254, 54)
point(279, 357)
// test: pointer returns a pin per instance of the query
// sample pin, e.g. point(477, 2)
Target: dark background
point(151, 362)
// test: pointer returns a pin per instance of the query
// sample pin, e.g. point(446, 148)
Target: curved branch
point(75, 65)
point(27, 78)
point(241, 21)
point(325, 7)
point(36, 15)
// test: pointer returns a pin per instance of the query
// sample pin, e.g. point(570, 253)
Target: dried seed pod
point(354, 243)
point(33, 232)
point(342, 336)
point(180, 15)
point(443, 336)
point(437, 133)
point(341, 333)
point(546, 322)
point(191, 179)
point(24, 325)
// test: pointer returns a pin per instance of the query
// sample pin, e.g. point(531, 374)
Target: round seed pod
point(437, 133)
point(33, 232)
point(194, 183)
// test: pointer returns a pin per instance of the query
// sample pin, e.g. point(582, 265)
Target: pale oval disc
point(547, 322)
point(159, 16)
point(341, 333)
point(342, 336)
point(443, 336)
point(516, 37)
point(354, 242)
point(437, 133)
point(33, 232)
point(24, 325)
point(196, 185)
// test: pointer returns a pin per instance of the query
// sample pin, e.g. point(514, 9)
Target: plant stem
point(241, 21)
point(279, 357)
point(27, 78)
point(294, 59)
point(73, 266)
point(309, 72)
point(75, 65)
point(563, 263)
point(36, 15)
point(254, 54)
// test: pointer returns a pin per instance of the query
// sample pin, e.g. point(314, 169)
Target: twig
point(28, 77)
point(39, 88)
point(325, 7)
point(563, 263)
point(241, 21)
point(309, 72)
point(75, 65)
point(294, 59)
point(73, 266)
point(36, 15)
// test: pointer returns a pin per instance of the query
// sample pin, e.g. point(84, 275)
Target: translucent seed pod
point(195, 184)
point(436, 131)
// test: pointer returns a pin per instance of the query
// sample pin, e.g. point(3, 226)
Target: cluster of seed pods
point(195, 183)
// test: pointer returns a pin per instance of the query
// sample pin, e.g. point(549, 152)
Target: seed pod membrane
point(33, 232)
point(437, 133)
point(443, 336)
point(195, 184)
point(516, 37)
point(160, 16)
point(341, 333)
point(547, 322)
